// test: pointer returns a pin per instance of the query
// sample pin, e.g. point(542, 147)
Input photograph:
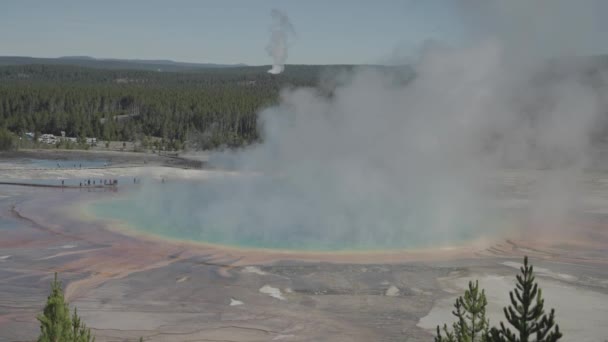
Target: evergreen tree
point(7, 140)
point(526, 313)
point(79, 330)
point(472, 324)
point(55, 323)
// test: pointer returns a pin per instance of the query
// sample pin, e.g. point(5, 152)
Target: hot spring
point(271, 213)
point(462, 148)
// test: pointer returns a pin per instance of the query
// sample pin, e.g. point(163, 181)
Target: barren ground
point(131, 286)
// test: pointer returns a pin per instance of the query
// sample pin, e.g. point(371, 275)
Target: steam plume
point(279, 34)
point(408, 157)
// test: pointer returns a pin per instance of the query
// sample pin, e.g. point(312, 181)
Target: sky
point(220, 31)
point(237, 31)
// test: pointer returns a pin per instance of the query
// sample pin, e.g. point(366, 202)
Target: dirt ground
point(127, 286)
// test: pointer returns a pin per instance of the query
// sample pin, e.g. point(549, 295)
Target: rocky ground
point(128, 286)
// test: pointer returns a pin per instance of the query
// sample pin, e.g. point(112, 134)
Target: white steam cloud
point(398, 158)
point(387, 160)
point(279, 38)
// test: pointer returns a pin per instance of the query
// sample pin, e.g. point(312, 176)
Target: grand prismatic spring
point(215, 212)
point(298, 202)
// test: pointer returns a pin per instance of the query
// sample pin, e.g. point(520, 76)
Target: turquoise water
point(8, 224)
point(267, 214)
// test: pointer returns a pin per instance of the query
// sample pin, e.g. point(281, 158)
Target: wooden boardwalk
point(37, 185)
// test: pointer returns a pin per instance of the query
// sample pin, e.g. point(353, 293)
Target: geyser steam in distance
point(279, 34)
point(397, 160)
point(452, 148)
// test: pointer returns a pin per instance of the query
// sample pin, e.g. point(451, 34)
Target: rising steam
point(438, 152)
point(279, 33)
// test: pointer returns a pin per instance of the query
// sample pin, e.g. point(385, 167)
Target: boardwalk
point(36, 185)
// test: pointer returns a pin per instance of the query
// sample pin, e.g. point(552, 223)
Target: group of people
point(104, 181)
point(59, 166)
point(114, 182)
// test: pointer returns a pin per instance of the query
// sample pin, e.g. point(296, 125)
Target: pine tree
point(526, 313)
point(55, 324)
point(79, 330)
point(472, 324)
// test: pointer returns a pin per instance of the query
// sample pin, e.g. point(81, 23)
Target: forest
point(206, 107)
point(191, 105)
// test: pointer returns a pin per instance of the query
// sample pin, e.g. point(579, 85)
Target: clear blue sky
point(237, 31)
point(221, 31)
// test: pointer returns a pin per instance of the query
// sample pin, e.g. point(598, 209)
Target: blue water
point(269, 215)
point(8, 224)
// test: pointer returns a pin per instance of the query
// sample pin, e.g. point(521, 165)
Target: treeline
point(297, 75)
point(208, 108)
point(204, 107)
point(227, 115)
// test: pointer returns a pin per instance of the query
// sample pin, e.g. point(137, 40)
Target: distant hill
point(111, 63)
point(142, 75)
